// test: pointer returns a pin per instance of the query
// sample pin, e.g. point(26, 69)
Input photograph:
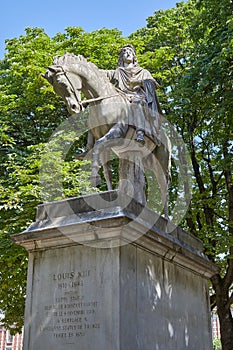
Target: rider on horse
point(138, 86)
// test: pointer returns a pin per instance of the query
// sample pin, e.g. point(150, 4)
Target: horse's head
point(67, 85)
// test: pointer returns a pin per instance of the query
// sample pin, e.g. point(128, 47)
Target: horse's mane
point(70, 58)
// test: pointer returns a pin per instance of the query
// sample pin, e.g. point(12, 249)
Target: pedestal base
point(144, 294)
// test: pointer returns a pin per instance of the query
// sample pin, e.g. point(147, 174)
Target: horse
point(112, 126)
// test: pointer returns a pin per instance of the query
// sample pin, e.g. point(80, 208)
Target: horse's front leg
point(101, 156)
point(113, 136)
point(105, 161)
point(95, 178)
point(101, 149)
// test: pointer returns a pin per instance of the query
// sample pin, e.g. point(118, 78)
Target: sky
point(56, 15)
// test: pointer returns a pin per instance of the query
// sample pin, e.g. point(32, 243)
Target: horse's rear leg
point(95, 178)
point(163, 179)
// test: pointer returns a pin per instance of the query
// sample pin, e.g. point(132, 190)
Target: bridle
point(82, 104)
point(63, 72)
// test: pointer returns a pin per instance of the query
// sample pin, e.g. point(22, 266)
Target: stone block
point(113, 275)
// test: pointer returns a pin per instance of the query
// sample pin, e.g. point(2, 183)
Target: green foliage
point(100, 47)
point(217, 344)
point(19, 196)
point(188, 49)
point(29, 116)
point(193, 66)
point(13, 262)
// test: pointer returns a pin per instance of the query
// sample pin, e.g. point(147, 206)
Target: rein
point(64, 73)
point(97, 99)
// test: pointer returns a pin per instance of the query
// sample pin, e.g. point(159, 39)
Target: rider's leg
point(140, 137)
point(139, 120)
point(115, 133)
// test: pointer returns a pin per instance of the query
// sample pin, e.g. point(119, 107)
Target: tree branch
point(212, 301)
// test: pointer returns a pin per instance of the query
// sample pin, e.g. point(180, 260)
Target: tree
point(191, 49)
point(214, 44)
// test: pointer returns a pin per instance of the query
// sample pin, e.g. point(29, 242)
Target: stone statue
point(139, 87)
point(122, 106)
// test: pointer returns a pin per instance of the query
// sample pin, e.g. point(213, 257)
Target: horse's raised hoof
point(83, 155)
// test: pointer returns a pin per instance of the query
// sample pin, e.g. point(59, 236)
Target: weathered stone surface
point(123, 107)
point(146, 289)
point(106, 209)
point(132, 176)
point(73, 292)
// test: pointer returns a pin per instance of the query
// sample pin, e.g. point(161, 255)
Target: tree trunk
point(224, 312)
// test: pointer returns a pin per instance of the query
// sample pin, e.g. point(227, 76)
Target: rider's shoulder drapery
point(149, 86)
point(125, 79)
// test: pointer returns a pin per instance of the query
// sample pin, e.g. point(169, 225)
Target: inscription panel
point(72, 300)
point(72, 314)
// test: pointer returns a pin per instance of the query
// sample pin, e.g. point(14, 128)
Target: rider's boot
point(140, 137)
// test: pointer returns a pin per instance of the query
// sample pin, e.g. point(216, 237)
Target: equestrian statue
point(124, 116)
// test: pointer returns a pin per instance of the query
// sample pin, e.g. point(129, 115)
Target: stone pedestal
point(132, 176)
point(107, 274)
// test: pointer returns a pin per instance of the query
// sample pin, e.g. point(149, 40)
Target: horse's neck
point(95, 83)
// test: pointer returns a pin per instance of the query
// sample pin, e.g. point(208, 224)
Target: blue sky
point(55, 15)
